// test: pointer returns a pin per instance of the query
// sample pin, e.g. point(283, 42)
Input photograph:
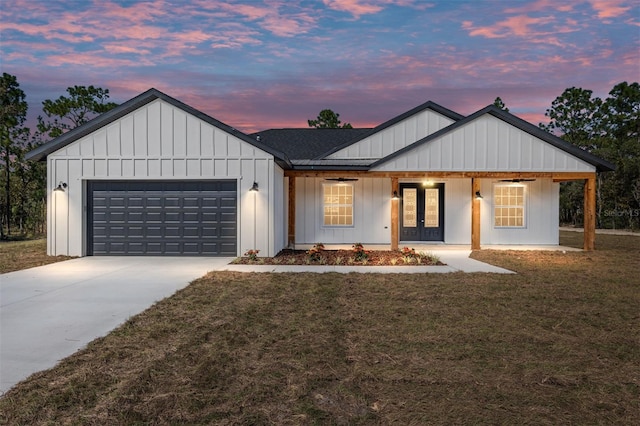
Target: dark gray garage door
point(162, 218)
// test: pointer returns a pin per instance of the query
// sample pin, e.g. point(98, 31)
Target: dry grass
point(558, 343)
point(17, 255)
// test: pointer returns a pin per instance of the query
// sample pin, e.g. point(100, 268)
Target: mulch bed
point(343, 257)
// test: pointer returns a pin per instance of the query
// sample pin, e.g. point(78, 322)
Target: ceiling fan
point(342, 179)
point(517, 180)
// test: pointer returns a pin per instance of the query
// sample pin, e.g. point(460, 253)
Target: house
point(157, 177)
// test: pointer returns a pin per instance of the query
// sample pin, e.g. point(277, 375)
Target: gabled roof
point(599, 163)
point(307, 143)
point(427, 105)
point(40, 153)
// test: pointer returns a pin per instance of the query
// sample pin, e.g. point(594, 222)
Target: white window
point(509, 206)
point(338, 204)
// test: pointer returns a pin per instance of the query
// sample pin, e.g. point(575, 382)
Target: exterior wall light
point(61, 186)
point(395, 195)
point(478, 195)
point(254, 187)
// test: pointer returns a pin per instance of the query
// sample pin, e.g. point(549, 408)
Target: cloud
point(276, 63)
point(355, 7)
point(541, 5)
point(520, 26)
point(609, 8)
point(283, 19)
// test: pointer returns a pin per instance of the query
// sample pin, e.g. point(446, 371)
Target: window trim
point(324, 205)
point(524, 207)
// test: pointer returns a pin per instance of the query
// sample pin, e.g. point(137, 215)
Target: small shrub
point(393, 261)
point(407, 259)
point(252, 254)
point(339, 260)
point(315, 252)
point(408, 254)
point(359, 253)
point(429, 258)
point(406, 251)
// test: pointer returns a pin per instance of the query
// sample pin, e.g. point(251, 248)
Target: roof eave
point(331, 168)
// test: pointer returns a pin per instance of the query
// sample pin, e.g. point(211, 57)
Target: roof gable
point(460, 146)
point(439, 117)
point(41, 153)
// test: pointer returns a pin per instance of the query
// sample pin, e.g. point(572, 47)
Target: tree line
point(23, 193)
point(608, 128)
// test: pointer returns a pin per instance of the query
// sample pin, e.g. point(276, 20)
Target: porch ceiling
point(556, 176)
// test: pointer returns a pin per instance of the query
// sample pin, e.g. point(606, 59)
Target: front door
point(421, 212)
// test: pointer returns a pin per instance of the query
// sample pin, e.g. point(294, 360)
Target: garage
point(162, 218)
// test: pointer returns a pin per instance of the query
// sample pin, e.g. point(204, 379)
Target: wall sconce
point(254, 188)
point(61, 186)
point(395, 195)
point(478, 195)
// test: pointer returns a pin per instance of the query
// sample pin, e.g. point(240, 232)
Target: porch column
point(291, 232)
point(395, 240)
point(590, 213)
point(475, 214)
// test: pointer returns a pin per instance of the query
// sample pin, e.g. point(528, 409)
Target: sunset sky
point(258, 64)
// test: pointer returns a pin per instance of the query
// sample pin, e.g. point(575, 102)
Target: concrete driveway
point(49, 312)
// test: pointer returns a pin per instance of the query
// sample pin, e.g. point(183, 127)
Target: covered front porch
point(470, 217)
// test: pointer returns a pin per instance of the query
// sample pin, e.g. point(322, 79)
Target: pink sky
point(274, 63)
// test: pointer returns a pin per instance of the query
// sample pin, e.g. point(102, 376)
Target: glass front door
point(421, 212)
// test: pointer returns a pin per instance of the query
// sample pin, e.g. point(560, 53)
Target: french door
point(421, 212)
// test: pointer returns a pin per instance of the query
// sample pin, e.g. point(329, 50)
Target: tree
point(619, 120)
point(13, 113)
point(609, 129)
point(327, 119)
point(498, 102)
point(82, 104)
point(573, 115)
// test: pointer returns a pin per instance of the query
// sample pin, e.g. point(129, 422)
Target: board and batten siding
point(162, 142)
point(371, 217)
point(542, 220)
point(487, 144)
point(395, 137)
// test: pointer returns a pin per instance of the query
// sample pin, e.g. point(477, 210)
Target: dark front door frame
point(418, 230)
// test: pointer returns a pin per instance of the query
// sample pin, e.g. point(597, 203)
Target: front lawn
point(17, 255)
point(558, 343)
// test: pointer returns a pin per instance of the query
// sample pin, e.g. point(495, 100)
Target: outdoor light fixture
point(254, 187)
point(61, 186)
point(478, 196)
point(395, 195)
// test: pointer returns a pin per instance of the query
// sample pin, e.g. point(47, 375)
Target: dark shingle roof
point(307, 143)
